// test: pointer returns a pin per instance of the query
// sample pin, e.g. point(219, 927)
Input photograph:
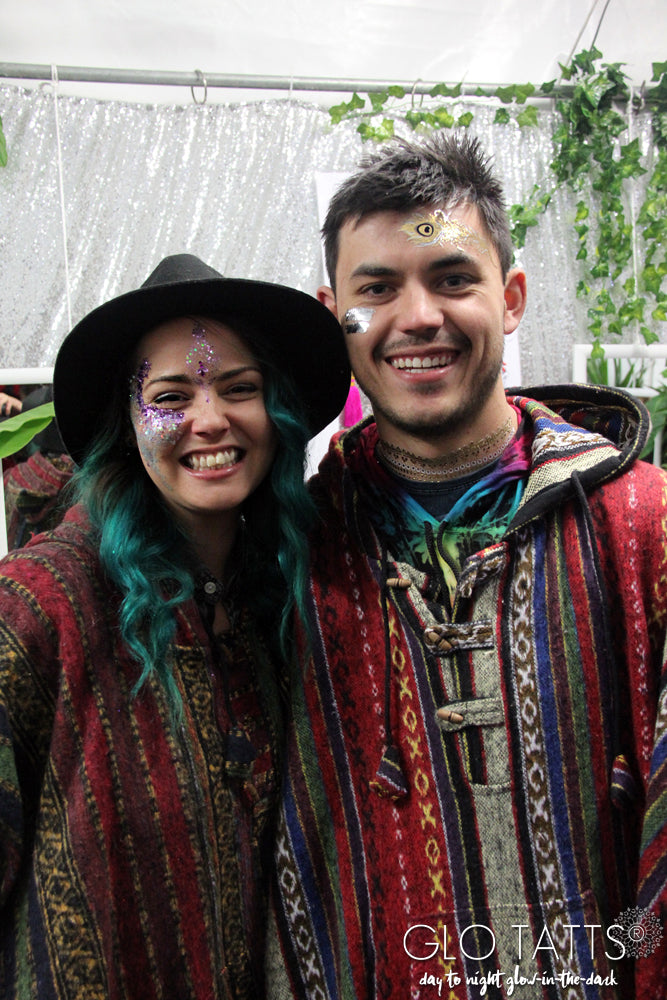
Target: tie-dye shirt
point(477, 519)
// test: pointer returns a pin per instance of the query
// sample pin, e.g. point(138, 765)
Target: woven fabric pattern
point(132, 859)
point(456, 854)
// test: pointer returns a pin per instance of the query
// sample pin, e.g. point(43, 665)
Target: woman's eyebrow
point(185, 379)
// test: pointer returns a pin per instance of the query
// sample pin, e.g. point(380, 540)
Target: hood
point(589, 433)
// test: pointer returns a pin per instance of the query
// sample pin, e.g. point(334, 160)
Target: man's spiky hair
point(442, 171)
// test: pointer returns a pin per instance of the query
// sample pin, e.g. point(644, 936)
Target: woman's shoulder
point(64, 560)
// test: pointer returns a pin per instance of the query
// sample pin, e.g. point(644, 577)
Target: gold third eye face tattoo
point(440, 228)
point(358, 320)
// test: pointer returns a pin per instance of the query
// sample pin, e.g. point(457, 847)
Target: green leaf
point(582, 211)
point(548, 87)
point(659, 68)
point(528, 117)
point(16, 432)
point(442, 90)
point(502, 117)
point(378, 100)
point(340, 111)
point(506, 94)
point(443, 118)
point(396, 91)
point(465, 120)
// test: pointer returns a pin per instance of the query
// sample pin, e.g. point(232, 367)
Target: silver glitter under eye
point(358, 319)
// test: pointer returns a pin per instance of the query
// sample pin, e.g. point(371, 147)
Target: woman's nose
point(209, 413)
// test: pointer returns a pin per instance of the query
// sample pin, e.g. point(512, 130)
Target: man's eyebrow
point(368, 270)
point(374, 271)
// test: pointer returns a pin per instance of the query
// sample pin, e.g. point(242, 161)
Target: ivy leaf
point(502, 117)
point(582, 211)
point(378, 100)
point(528, 117)
point(379, 133)
point(465, 120)
point(340, 111)
point(659, 68)
point(506, 94)
point(442, 90)
point(443, 118)
point(396, 91)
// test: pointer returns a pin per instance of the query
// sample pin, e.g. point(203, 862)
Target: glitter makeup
point(202, 354)
point(358, 320)
point(440, 228)
point(155, 422)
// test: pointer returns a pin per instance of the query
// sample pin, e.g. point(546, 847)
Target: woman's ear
point(515, 299)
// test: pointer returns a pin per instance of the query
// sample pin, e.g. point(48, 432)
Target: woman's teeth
point(210, 461)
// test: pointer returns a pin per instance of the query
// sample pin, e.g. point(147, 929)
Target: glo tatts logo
point(636, 933)
point(641, 932)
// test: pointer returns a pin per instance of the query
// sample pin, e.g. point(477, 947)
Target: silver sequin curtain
point(234, 184)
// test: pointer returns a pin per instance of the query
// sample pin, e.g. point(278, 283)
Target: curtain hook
point(201, 82)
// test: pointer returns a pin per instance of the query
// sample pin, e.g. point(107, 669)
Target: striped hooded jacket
point(134, 848)
point(518, 848)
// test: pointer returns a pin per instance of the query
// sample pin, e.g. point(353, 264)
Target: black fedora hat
point(301, 335)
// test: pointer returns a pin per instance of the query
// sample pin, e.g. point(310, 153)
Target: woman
point(140, 708)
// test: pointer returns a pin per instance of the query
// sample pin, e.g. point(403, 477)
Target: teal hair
point(147, 555)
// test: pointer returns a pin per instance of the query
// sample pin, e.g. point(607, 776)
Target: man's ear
point(515, 299)
point(327, 297)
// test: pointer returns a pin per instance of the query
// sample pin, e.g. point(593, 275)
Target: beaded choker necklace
point(459, 463)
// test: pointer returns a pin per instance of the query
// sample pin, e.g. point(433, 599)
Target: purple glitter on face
point(202, 354)
point(153, 423)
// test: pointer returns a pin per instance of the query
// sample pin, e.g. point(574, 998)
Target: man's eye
point(376, 289)
point(455, 281)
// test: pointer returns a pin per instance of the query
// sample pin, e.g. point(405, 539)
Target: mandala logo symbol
point(642, 932)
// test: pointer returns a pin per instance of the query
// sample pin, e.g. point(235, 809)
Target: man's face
point(422, 299)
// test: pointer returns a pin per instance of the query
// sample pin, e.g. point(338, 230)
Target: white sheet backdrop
point(234, 184)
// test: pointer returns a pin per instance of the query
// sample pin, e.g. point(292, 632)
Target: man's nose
point(420, 311)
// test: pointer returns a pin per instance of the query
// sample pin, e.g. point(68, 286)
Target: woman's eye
point(169, 399)
point(242, 389)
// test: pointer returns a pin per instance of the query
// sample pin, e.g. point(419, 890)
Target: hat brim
point(301, 335)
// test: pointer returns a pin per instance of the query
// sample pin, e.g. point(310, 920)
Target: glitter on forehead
point(358, 319)
point(438, 228)
point(202, 354)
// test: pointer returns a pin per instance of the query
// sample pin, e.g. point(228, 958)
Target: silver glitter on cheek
point(358, 320)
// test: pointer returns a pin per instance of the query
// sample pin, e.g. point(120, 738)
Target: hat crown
point(180, 267)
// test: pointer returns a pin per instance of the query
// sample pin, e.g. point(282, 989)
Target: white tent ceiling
point(477, 41)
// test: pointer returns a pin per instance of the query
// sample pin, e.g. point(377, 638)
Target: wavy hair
point(147, 554)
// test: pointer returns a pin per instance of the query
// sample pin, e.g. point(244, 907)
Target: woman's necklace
point(458, 463)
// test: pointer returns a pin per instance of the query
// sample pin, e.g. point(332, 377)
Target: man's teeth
point(217, 461)
point(439, 362)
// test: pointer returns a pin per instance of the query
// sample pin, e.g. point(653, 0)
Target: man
point(475, 793)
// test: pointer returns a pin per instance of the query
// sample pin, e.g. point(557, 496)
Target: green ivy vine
point(622, 247)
